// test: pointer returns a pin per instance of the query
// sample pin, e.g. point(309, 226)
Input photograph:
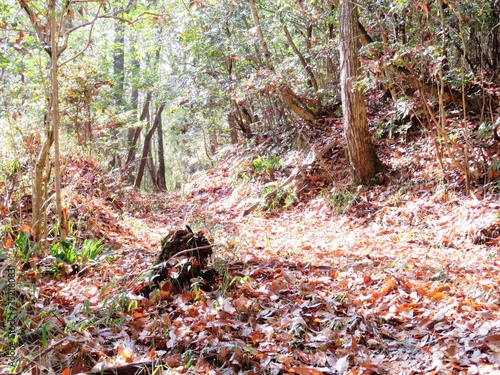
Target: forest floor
point(399, 278)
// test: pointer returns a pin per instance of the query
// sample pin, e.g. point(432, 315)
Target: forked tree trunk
point(302, 59)
point(147, 146)
point(134, 139)
point(362, 157)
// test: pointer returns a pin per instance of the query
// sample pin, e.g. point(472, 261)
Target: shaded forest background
point(123, 120)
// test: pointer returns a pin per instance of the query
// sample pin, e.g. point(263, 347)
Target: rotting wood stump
point(183, 259)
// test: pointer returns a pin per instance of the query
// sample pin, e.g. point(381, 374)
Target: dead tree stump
point(183, 258)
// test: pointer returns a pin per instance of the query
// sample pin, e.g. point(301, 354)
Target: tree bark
point(147, 146)
point(362, 157)
point(38, 191)
point(63, 227)
point(263, 44)
point(160, 175)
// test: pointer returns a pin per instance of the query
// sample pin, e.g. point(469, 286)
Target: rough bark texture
point(362, 157)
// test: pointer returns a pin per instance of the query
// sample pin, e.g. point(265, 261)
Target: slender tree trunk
point(38, 190)
point(263, 44)
point(134, 139)
point(119, 61)
point(160, 175)
point(55, 118)
point(362, 157)
point(286, 92)
point(147, 146)
point(302, 59)
point(214, 142)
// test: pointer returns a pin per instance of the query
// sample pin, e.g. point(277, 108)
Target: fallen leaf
point(305, 371)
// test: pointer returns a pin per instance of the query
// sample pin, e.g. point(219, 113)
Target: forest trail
point(401, 282)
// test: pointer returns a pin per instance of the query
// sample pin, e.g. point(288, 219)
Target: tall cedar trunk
point(362, 157)
point(160, 175)
point(147, 146)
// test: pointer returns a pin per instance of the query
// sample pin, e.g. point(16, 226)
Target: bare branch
point(131, 22)
point(66, 35)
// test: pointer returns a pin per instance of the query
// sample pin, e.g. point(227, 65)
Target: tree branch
point(66, 36)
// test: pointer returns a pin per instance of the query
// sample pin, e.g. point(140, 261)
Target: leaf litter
point(404, 281)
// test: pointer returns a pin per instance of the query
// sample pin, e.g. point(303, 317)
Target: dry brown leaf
point(174, 360)
point(305, 371)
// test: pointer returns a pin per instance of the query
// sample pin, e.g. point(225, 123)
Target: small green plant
point(64, 251)
point(263, 165)
point(91, 250)
point(24, 247)
point(67, 252)
point(342, 200)
point(277, 198)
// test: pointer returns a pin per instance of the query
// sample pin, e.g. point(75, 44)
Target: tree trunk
point(119, 61)
point(302, 59)
point(38, 191)
point(160, 175)
point(63, 227)
point(362, 157)
point(147, 146)
point(263, 44)
point(134, 138)
point(151, 166)
point(214, 142)
point(287, 93)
